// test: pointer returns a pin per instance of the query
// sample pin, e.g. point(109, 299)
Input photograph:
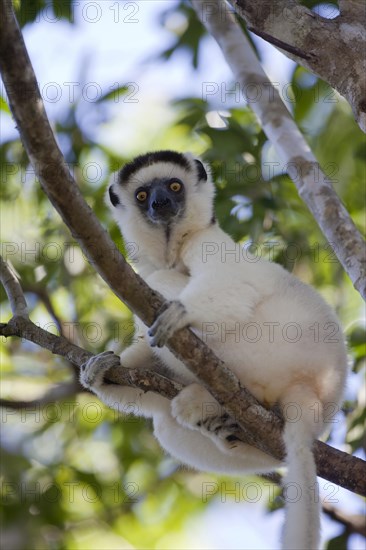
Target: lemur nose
point(161, 202)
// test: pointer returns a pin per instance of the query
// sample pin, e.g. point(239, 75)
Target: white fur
point(259, 319)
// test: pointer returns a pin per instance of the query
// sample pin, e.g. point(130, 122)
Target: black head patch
point(148, 160)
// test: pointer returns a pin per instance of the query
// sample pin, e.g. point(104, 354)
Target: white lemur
point(274, 332)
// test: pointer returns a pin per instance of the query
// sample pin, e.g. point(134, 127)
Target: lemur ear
point(112, 196)
point(202, 174)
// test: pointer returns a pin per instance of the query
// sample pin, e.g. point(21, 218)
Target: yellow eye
point(141, 196)
point(175, 186)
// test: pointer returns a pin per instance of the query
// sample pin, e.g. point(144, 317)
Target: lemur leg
point(196, 409)
point(195, 449)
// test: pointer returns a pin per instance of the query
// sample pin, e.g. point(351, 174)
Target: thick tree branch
point(301, 165)
point(340, 63)
point(261, 427)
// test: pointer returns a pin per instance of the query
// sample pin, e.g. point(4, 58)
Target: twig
point(13, 290)
point(354, 523)
point(59, 392)
point(279, 43)
point(45, 299)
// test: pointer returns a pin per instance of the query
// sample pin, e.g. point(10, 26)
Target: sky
point(110, 44)
point(114, 43)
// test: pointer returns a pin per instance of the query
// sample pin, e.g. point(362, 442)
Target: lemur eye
point(141, 196)
point(175, 186)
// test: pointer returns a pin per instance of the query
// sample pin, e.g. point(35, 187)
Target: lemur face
point(158, 185)
point(162, 199)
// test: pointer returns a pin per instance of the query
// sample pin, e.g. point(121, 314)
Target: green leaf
point(338, 543)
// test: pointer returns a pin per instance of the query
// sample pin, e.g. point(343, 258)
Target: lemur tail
point(302, 526)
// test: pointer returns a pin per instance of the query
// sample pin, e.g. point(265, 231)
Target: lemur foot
point(172, 318)
point(195, 408)
point(93, 371)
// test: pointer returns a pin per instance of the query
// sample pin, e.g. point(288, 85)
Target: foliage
point(74, 475)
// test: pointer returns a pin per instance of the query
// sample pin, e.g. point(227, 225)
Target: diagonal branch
point(313, 186)
point(332, 464)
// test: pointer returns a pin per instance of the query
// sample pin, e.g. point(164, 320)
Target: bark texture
point(333, 49)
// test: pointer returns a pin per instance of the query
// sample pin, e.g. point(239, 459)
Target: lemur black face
point(162, 200)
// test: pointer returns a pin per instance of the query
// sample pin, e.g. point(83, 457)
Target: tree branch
point(142, 378)
point(301, 30)
point(336, 466)
point(280, 43)
point(354, 523)
point(313, 186)
point(41, 293)
point(59, 392)
point(261, 427)
point(13, 290)
point(23, 327)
